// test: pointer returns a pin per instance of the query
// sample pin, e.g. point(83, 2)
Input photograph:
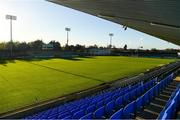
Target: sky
point(39, 19)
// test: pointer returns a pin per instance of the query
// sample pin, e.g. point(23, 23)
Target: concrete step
point(170, 89)
point(147, 115)
point(154, 108)
point(172, 86)
point(163, 97)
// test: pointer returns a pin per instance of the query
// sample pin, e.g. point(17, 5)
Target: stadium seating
point(172, 105)
point(114, 104)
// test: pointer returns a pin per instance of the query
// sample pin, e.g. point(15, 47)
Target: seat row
point(109, 109)
point(89, 107)
point(89, 102)
point(136, 106)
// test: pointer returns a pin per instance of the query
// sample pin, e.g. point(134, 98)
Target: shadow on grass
point(79, 58)
point(35, 59)
point(5, 62)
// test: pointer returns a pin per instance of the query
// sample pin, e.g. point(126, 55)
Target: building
point(99, 51)
point(47, 47)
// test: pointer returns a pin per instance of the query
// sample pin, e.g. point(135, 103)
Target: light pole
point(68, 30)
point(111, 35)
point(11, 17)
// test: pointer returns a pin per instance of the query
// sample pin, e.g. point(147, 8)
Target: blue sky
point(39, 19)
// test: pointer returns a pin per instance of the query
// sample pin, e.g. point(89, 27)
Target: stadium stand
point(128, 102)
point(171, 106)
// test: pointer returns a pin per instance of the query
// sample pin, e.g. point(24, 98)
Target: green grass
point(23, 82)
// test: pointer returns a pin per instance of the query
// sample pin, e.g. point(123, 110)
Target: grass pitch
point(23, 82)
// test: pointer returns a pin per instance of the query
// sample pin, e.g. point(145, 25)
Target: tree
point(94, 46)
point(36, 45)
point(56, 45)
point(2, 45)
point(125, 47)
point(79, 48)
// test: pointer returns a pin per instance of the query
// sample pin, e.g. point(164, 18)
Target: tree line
point(34, 45)
point(37, 46)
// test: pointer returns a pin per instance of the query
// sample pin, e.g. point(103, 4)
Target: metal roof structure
point(159, 18)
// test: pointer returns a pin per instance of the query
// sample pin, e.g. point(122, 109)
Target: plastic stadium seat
point(99, 113)
point(75, 110)
point(67, 117)
point(170, 111)
point(63, 115)
point(53, 116)
point(100, 104)
point(119, 102)
point(146, 86)
point(142, 89)
point(78, 114)
point(151, 94)
point(139, 92)
point(146, 98)
point(126, 98)
point(90, 109)
point(84, 106)
point(139, 104)
point(107, 100)
point(133, 94)
point(129, 110)
point(117, 115)
point(88, 116)
point(110, 107)
point(115, 96)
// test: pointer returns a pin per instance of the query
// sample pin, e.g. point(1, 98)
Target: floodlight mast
point(68, 30)
point(11, 17)
point(111, 35)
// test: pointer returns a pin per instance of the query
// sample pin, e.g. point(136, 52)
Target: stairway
point(152, 110)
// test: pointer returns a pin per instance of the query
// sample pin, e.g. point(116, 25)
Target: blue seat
point(100, 104)
point(119, 102)
point(99, 113)
point(139, 92)
point(60, 116)
point(78, 114)
point(115, 96)
point(142, 89)
point(90, 109)
point(133, 94)
point(117, 115)
point(107, 100)
point(67, 117)
point(53, 116)
point(88, 116)
point(146, 99)
point(151, 94)
point(84, 106)
point(126, 99)
point(170, 111)
point(139, 104)
point(110, 107)
point(161, 86)
point(129, 110)
point(146, 86)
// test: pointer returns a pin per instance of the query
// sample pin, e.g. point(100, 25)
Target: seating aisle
point(153, 109)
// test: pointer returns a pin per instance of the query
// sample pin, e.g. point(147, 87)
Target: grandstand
point(154, 99)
